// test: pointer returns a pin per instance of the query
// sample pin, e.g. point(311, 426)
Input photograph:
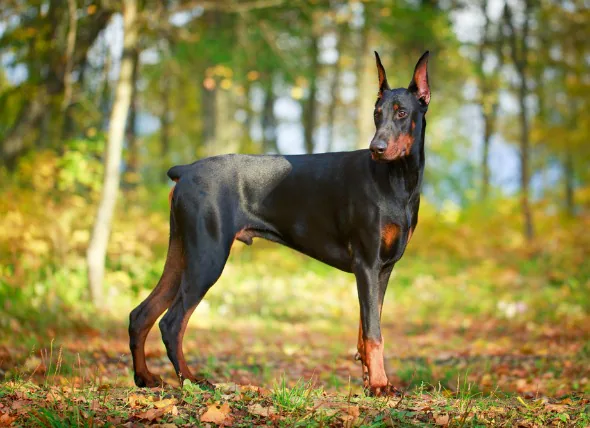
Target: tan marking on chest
point(389, 233)
point(171, 193)
point(410, 232)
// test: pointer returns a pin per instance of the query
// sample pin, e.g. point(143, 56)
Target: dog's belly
point(324, 249)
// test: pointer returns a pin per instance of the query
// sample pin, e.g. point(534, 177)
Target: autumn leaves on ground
point(474, 336)
point(493, 373)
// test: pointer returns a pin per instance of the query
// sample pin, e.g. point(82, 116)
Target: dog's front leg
point(371, 295)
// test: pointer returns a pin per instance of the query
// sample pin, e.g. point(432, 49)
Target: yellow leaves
point(138, 400)
point(217, 414)
point(385, 12)
point(450, 211)
point(521, 401)
point(296, 93)
point(165, 403)
point(253, 75)
point(157, 408)
point(226, 84)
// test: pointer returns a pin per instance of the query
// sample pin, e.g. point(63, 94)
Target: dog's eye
point(401, 114)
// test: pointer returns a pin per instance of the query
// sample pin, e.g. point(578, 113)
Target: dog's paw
point(383, 391)
point(148, 380)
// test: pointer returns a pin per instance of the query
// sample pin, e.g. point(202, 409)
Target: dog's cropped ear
point(419, 84)
point(383, 85)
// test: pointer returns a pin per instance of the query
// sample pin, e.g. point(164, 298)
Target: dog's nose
point(378, 147)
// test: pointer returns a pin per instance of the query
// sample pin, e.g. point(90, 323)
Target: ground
point(449, 375)
point(470, 340)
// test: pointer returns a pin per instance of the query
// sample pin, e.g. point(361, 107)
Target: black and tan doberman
point(355, 211)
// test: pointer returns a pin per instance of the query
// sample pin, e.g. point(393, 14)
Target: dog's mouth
point(388, 157)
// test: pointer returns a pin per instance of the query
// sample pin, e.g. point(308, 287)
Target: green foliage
point(295, 398)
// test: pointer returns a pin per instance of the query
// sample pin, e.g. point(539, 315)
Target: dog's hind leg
point(205, 259)
point(143, 317)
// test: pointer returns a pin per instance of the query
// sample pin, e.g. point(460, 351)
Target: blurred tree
point(518, 47)
point(340, 33)
point(310, 105)
point(102, 224)
point(37, 40)
point(489, 49)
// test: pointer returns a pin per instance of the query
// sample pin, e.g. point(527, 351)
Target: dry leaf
point(351, 414)
point(19, 404)
point(259, 410)
point(151, 414)
point(136, 400)
point(216, 413)
point(353, 411)
point(6, 420)
point(559, 408)
point(442, 420)
point(165, 403)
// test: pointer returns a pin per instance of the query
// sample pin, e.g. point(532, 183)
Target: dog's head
point(399, 113)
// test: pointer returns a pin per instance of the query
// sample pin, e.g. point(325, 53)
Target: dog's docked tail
point(178, 171)
point(175, 173)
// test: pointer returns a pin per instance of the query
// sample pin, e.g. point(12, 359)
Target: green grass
point(299, 404)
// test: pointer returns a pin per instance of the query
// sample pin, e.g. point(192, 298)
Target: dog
point(355, 211)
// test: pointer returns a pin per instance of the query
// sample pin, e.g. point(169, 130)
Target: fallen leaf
point(6, 420)
point(53, 396)
point(165, 403)
point(559, 408)
point(259, 410)
point(19, 404)
point(351, 413)
point(136, 400)
point(442, 420)
point(216, 413)
point(151, 414)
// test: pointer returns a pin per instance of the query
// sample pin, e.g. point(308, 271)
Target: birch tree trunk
point(367, 83)
point(96, 253)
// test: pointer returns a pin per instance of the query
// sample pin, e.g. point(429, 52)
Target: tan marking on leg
point(157, 302)
point(389, 233)
point(185, 372)
point(374, 357)
point(360, 346)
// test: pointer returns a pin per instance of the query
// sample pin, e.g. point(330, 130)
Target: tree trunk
point(568, 172)
point(485, 167)
point(310, 107)
point(529, 231)
point(165, 121)
point(208, 117)
point(334, 87)
point(30, 117)
point(367, 85)
point(131, 134)
point(102, 225)
point(269, 121)
point(520, 60)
